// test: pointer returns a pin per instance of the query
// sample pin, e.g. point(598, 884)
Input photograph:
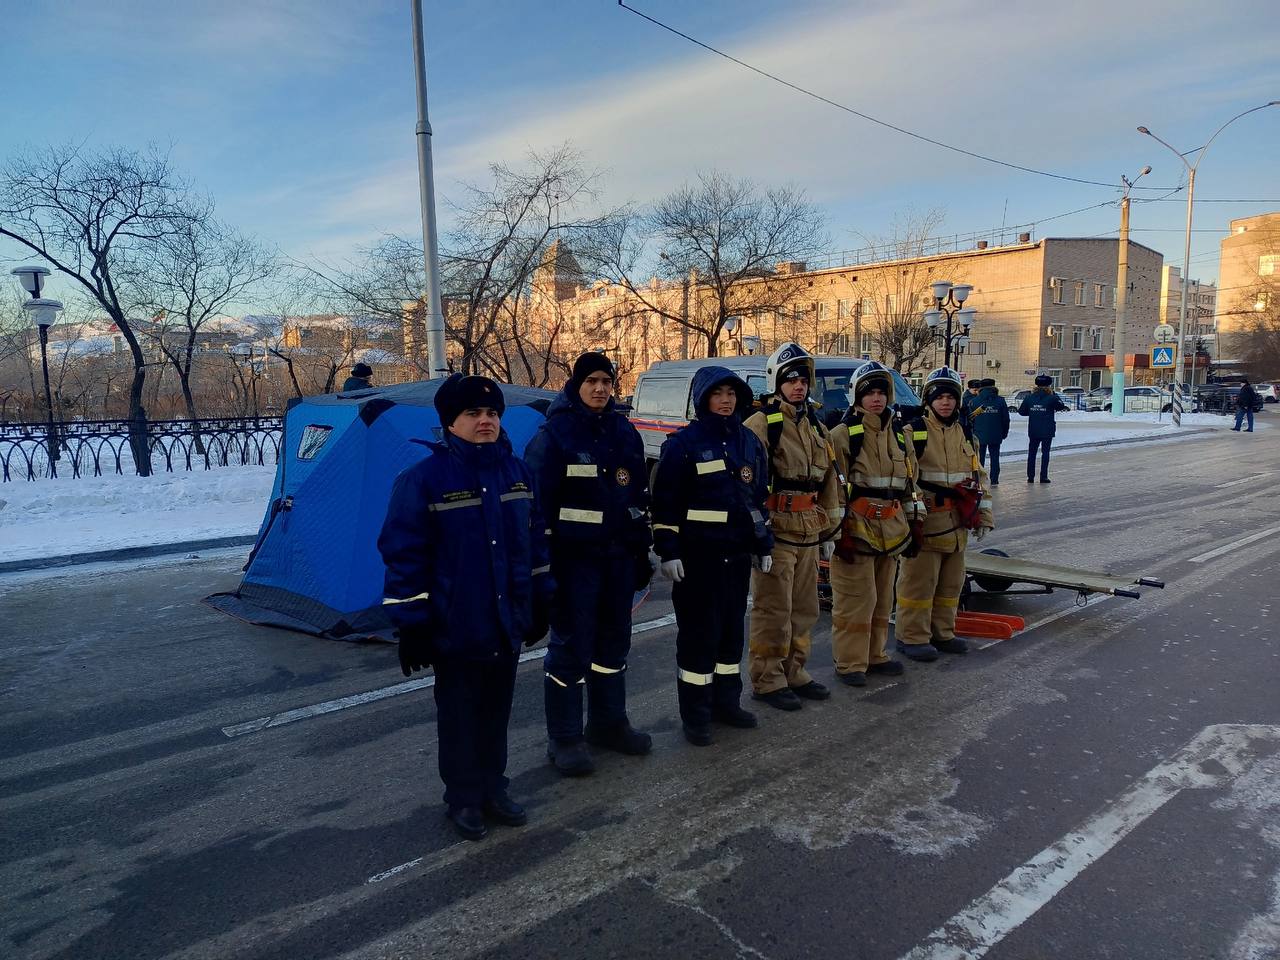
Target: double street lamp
point(948, 303)
point(44, 314)
point(1186, 259)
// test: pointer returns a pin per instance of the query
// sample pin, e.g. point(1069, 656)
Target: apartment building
point(1248, 278)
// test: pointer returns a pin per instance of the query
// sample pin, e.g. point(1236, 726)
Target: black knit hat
point(988, 382)
point(590, 363)
point(460, 393)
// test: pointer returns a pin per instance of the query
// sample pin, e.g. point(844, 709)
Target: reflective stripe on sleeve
point(711, 466)
point(453, 505)
point(728, 669)
point(984, 504)
point(855, 429)
point(920, 435)
point(666, 526)
point(581, 516)
point(697, 679)
point(597, 668)
point(516, 495)
point(774, 417)
point(387, 601)
point(709, 516)
point(581, 470)
point(544, 569)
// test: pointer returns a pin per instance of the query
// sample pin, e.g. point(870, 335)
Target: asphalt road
point(1106, 784)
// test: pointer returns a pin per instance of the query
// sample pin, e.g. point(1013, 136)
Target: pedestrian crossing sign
point(1162, 356)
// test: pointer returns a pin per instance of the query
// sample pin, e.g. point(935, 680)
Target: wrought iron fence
point(94, 447)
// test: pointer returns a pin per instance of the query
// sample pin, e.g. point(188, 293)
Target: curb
point(124, 553)
point(1113, 443)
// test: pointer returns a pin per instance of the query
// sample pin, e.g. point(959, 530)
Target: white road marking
point(1051, 618)
point(1235, 544)
point(1236, 483)
point(989, 919)
point(395, 690)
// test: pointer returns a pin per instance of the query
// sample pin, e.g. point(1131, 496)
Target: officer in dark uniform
point(467, 581)
point(710, 527)
point(359, 379)
point(588, 461)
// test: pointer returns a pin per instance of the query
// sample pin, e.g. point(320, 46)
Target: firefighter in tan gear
point(958, 500)
point(876, 462)
point(804, 507)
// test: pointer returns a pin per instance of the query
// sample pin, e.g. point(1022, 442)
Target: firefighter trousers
point(710, 604)
point(473, 707)
point(929, 587)
point(862, 599)
point(590, 639)
point(784, 608)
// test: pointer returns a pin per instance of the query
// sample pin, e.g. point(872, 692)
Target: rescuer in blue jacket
point(989, 417)
point(588, 463)
point(1040, 407)
point(467, 582)
point(710, 526)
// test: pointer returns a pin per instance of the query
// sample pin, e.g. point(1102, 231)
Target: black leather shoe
point(502, 809)
point(621, 737)
point(734, 716)
point(784, 699)
point(890, 668)
point(924, 652)
point(468, 821)
point(698, 736)
point(855, 678)
point(954, 645)
point(1045, 480)
point(571, 759)
point(812, 690)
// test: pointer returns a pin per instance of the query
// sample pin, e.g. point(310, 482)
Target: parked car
point(1138, 400)
point(1267, 391)
point(1074, 396)
point(1224, 398)
point(1016, 400)
point(662, 404)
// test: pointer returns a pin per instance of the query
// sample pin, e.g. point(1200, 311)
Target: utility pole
point(1122, 293)
point(437, 365)
point(684, 316)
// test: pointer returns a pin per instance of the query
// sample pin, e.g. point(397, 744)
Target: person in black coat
point(1040, 407)
point(359, 379)
point(467, 582)
point(710, 526)
point(989, 419)
point(593, 490)
point(1246, 403)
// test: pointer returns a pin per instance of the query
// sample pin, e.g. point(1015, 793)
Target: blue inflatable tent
point(315, 566)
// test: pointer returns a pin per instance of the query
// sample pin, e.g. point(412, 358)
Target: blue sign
point(1162, 356)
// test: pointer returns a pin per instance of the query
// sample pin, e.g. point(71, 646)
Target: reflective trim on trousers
point(558, 682)
point(697, 679)
point(946, 601)
point(597, 668)
point(728, 669)
point(908, 604)
point(386, 601)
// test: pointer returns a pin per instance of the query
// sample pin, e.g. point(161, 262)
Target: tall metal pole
point(1195, 342)
point(1122, 290)
point(437, 365)
point(1182, 305)
point(48, 398)
point(946, 355)
point(684, 315)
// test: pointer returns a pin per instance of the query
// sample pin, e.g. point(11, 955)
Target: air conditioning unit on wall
point(994, 364)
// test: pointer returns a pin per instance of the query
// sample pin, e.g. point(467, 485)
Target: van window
point(662, 398)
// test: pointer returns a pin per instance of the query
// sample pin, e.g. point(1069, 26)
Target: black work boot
point(698, 735)
point(621, 737)
point(854, 678)
point(890, 668)
point(784, 699)
point(502, 809)
point(812, 690)
point(468, 821)
point(954, 645)
point(924, 652)
point(570, 757)
point(732, 715)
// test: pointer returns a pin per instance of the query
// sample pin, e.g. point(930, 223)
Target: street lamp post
point(43, 313)
point(436, 361)
point(948, 302)
point(1122, 293)
point(1186, 258)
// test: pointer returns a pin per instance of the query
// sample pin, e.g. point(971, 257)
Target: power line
point(864, 116)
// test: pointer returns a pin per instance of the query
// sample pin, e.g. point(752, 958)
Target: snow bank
point(1097, 426)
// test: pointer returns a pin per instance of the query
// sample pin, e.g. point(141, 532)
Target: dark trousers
point(590, 639)
point(473, 707)
point(711, 606)
point(1043, 443)
point(994, 448)
point(1241, 413)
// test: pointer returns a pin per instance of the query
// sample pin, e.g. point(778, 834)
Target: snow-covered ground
point(68, 516)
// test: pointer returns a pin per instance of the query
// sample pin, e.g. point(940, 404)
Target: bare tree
point(891, 297)
point(98, 218)
point(726, 237)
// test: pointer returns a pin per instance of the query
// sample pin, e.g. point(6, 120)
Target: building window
point(1056, 377)
point(891, 303)
point(1077, 338)
point(1075, 378)
point(866, 343)
point(976, 348)
point(1267, 264)
point(1055, 336)
point(1079, 293)
point(867, 307)
point(1099, 294)
point(1097, 338)
point(842, 309)
point(1056, 286)
point(822, 312)
point(1112, 342)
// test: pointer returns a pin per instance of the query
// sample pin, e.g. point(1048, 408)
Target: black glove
point(917, 539)
point(540, 622)
point(415, 649)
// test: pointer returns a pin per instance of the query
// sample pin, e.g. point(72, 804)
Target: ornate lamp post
point(44, 314)
point(948, 302)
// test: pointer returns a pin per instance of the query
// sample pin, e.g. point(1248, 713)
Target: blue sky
point(298, 116)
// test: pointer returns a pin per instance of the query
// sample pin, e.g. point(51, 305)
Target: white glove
point(673, 570)
point(763, 564)
point(980, 533)
point(827, 549)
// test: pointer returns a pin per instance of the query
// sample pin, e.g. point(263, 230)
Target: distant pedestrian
point(989, 415)
point(467, 582)
point(359, 379)
point(967, 403)
point(1040, 406)
point(1246, 403)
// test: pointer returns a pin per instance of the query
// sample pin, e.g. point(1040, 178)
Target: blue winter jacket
point(1040, 406)
point(712, 480)
point(465, 549)
point(592, 482)
point(989, 415)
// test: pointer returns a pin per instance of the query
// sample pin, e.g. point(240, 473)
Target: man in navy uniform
point(588, 463)
point(1041, 407)
point(467, 582)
